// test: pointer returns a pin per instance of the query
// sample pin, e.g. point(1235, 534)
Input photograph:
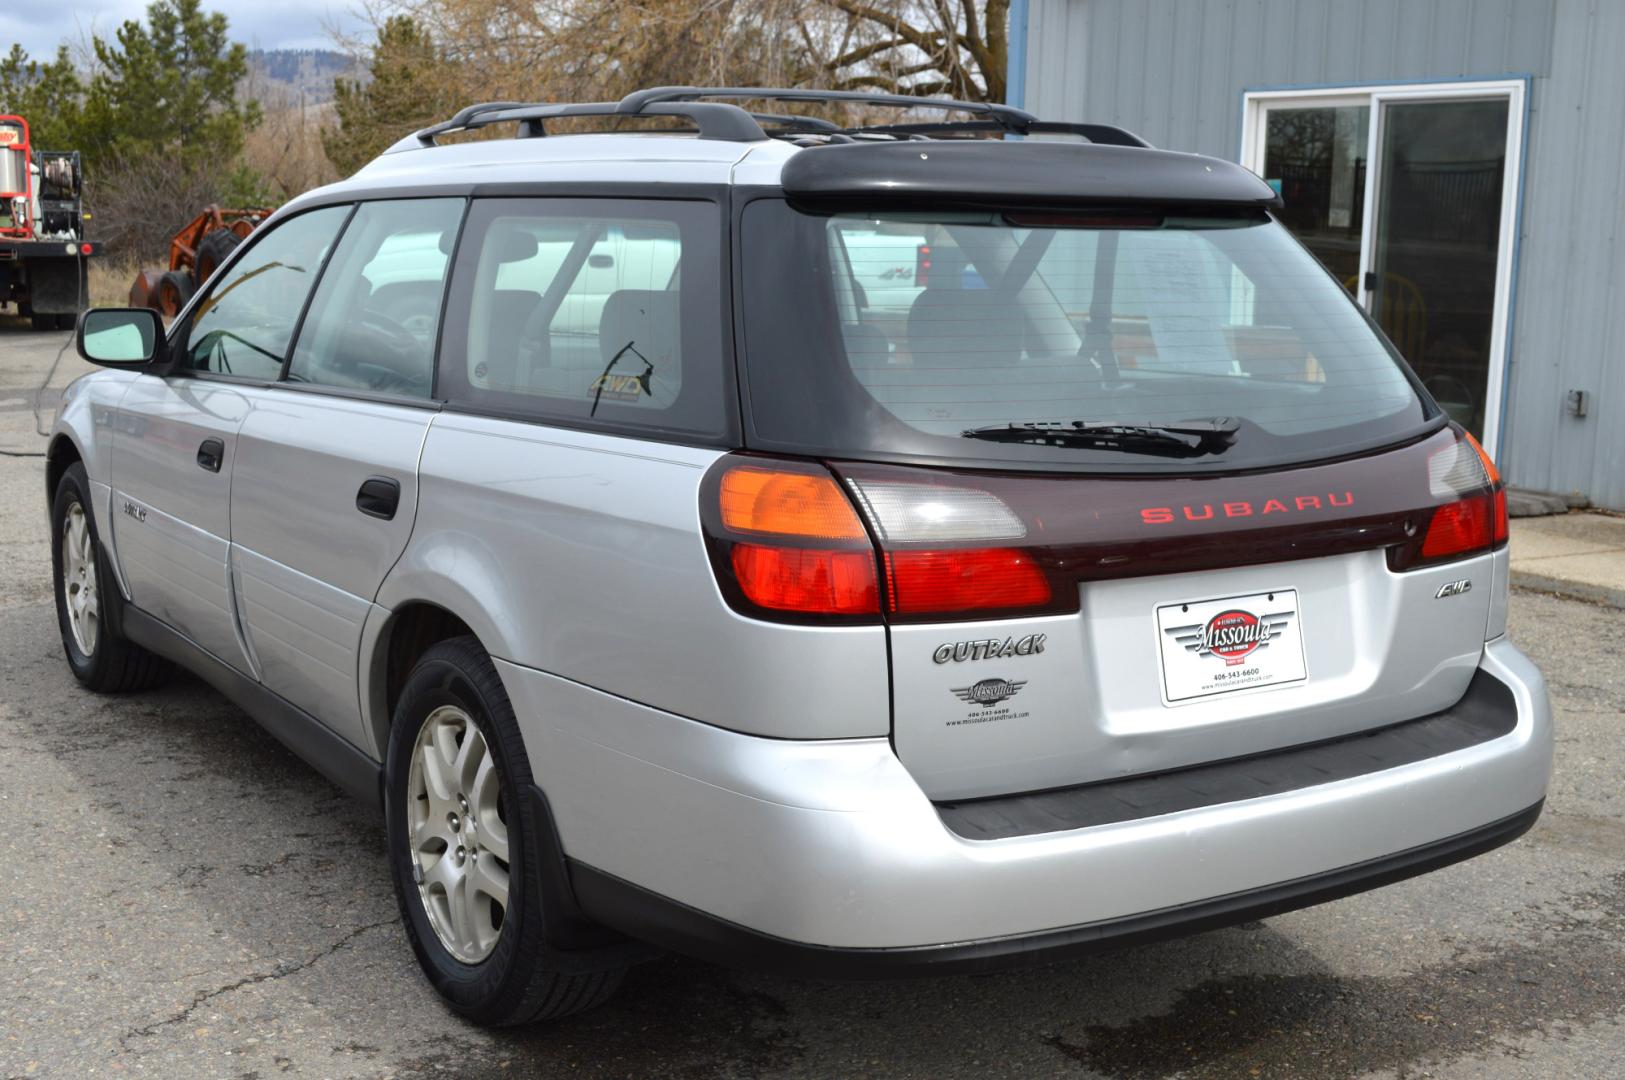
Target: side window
point(604, 311)
point(244, 326)
point(373, 322)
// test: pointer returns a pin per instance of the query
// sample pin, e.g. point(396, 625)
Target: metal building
point(1458, 164)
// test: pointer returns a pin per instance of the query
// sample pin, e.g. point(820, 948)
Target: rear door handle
point(210, 453)
point(379, 497)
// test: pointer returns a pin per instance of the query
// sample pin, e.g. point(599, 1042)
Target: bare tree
point(575, 49)
point(922, 47)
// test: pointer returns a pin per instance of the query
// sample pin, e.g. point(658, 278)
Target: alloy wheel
point(79, 585)
point(459, 835)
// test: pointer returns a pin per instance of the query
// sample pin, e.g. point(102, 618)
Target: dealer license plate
point(1237, 643)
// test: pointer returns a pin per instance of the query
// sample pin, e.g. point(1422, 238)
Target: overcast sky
point(264, 24)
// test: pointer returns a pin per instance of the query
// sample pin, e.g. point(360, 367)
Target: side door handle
point(210, 453)
point(379, 497)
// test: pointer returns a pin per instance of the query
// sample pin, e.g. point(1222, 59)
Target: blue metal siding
point(1174, 70)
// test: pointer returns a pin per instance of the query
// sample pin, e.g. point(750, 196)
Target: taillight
point(785, 539)
point(973, 579)
point(809, 580)
point(788, 543)
point(780, 503)
point(922, 265)
point(1473, 517)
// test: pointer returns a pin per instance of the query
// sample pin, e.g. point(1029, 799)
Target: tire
point(502, 976)
point(212, 250)
point(174, 289)
point(100, 657)
point(67, 322)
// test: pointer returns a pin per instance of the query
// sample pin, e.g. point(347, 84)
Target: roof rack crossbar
point(714, 120)
point(1008, 116)
point(462, 119)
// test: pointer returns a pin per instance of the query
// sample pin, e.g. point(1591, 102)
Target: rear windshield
point(1058, 340)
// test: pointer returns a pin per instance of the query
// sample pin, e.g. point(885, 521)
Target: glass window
point(373, 322)
point(244, 325)
point(607, 312)
point(1315, 158)
point(930, 334)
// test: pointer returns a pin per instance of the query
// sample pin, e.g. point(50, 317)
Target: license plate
point(1237, 643)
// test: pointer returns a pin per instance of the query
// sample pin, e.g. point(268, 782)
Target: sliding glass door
point(1407, 195)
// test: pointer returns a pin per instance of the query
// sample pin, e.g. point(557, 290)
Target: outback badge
point(989, 649)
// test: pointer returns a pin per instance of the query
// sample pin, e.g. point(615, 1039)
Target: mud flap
point(56, 285)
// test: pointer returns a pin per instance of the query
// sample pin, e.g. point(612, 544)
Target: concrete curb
point(1573, 590)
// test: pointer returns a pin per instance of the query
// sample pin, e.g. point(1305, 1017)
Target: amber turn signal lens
point(787, 504)
point(1489, 466)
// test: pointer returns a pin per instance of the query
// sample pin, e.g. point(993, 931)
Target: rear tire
point(462, 829)
point(212, 250)
point(101, 658)
point(173, 291)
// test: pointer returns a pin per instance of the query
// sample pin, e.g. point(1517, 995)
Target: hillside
point(286, 74)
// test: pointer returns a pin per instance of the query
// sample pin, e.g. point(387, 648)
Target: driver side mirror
point(119, 337)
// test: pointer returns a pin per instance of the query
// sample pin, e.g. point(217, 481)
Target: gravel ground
point(182, 897)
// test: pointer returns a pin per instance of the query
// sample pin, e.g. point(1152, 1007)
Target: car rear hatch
point(1139, 487)
point(1173, 622)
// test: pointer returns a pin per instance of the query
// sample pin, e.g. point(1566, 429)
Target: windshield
point(931, 335)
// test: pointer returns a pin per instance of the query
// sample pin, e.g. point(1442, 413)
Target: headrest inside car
point(516, 246)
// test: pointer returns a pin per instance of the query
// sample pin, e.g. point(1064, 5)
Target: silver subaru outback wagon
point(837, 550)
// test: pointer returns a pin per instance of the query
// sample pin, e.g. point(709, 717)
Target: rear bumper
point(826, 858)
point(660, 921)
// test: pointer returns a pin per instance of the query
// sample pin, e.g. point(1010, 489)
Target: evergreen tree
point(407, 91)
point(170, 88)
point(47, 95)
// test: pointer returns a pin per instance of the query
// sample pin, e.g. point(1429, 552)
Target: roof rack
point(718, 120)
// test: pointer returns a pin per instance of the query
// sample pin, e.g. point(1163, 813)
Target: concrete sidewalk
point(1579, 555)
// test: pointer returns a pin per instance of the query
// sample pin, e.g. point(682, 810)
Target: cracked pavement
point(181, 897)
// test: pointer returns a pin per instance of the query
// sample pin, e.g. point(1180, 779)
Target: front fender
point(85, 430)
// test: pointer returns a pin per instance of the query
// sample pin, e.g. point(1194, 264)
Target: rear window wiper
point(1184, 438)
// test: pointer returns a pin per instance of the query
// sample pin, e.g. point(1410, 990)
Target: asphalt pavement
point(181, 897)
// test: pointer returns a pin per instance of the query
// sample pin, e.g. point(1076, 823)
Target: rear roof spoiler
point(1028, 172)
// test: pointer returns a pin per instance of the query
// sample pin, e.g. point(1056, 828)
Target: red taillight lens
point(1458, 528)
point(809, 580)
point(922, 265)
point(1498, 512)
point(949, 582)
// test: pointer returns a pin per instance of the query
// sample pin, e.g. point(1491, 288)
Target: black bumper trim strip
point(1485, 712)
point(659, 920)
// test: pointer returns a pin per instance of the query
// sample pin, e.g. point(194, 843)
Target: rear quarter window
point(592, 313)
